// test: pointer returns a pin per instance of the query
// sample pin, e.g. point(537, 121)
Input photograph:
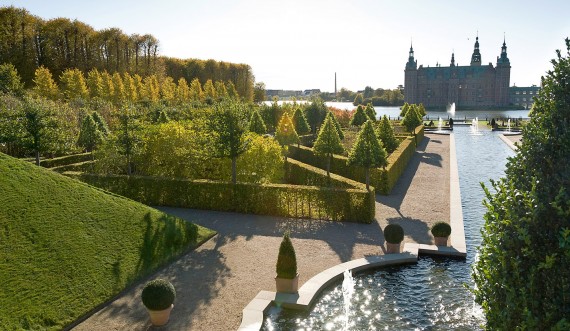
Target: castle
point(470, 87)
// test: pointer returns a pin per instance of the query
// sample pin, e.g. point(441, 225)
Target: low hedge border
point(299, 173)
point(382, 179)
point(65, 160)
point(85, 166)
point(337, 204)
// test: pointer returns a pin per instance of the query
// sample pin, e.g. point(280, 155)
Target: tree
point(210, 91)
point(259, 92)
point(168, 90)
point(523, 271)
point(229, 124)
point(10, 80)
point(221, 90)
point(73, 85)
point(411, 121)
point(44, 84)
point(300, 122)
point(315, 113)
point(358, 99)
point(359, 117)
point(405, 109)
point(285, 133)
point(40, 125)
point(196, 93)
point(385, 133)
point(422, 110)
point(370, 112)
point(89, 136)
point(328, 142)
point(95, 84)
point(108, 88)
point(119, 96)
point(163, 117)
point(101, 124)
point(231, 88)
point(129, 135)
point(182, 91)
point(130, 87)
point(256, 124)
point(368, 151)
point(336, 125)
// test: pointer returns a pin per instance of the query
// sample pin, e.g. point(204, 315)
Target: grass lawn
point(66, 247)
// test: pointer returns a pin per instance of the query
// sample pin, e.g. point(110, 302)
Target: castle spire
point(476, 57)
point(503, 59)
point(411, 64)
point(452, 60)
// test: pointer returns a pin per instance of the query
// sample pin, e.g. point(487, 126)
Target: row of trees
point(29, 42)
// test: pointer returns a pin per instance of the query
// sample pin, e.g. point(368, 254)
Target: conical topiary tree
point(286, 266)
point(328, 142)
point(300, 122)
point(89, 136)
point(370, 112)
point(286, 133)
point(256, 123)
point(411, 121)
point(101, 124)
point(359, 117)
point(421, 110)
point(385, 132)
point(405, 109)
point(368, 151)
point(336, 125)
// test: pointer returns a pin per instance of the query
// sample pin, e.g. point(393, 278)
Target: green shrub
point(393, 233)
point(286, 260)
point(441, 229)
point(299, 173)
point(158, 294)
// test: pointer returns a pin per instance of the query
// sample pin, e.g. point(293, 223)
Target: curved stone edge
point(254, 312)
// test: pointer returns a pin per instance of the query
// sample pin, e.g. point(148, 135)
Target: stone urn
point(441, 241)
point(160, 317)
point(286, 285)
point(393, 248)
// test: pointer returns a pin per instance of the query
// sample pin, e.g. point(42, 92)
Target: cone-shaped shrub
point(286, 133)
point(359, 117)
point(300, 122)
point(370, 112)
point(368, 151)
point(286, 260)
point(89, 136)
point(405, 109)
point(101, 124)
point(328, 142)
point(256, 123)
point(385, 133)
point(336, 125)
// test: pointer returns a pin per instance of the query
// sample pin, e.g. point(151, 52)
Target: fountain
point(451, 109)
point(439, 124)
point(475, 125)
point(509, 125)
point(347, 292)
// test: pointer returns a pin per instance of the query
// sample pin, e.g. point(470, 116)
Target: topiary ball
point(441, 229)
point(394, 233)
point(158, 294)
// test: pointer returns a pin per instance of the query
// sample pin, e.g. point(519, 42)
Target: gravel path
point(217, 280)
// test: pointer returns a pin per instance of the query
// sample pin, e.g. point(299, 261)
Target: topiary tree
point(158, 294)
point(286, 260)
point(358, 99)
point(316, 112)
point(523, 271)
point(328, 142)
point(359, 117)
point(89, 136)
point(286, 133)
point(385, 132)
point(336, 125)
point(411, 121)
point(421, 110)
point(300, 122)
point(256, 123)
point(441, 229)
point(368, 151)
point(370, 112)
point(394, 233)
point(405, 109)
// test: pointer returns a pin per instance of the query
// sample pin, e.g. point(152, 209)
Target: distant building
point(475, 86)
point(308, 93)
point(523, 97)
point(283, 94)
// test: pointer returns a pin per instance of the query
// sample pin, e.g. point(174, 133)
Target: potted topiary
point(287, 280)
point(158, 297)
point(441, 232)
point(394, 235)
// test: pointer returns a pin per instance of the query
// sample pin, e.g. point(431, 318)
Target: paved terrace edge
point(508, 142)
point(253, 313)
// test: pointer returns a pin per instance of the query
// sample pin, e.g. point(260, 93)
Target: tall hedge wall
point(65, 160)
point(298, 173)
point(338, 204)
point(382, 179)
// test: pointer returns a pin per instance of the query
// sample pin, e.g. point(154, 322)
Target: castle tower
point(502, 78)
point(411, 78)
point(452, 60)
point(476, 57)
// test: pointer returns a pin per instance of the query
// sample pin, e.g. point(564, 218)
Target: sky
point(300, 44)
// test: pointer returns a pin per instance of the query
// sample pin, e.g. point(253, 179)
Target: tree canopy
point(385, 132)
point(523, 271)
point(300, 122)
point(328, 142)
point(359, 117)
point(256, 123)
point(368, 151)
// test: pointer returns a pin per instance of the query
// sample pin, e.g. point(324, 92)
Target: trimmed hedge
point(81, 167)
point(65, 160)
point(299, 173)
point(382, 179)
point(338, 204)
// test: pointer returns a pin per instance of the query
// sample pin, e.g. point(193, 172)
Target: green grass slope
point(66, 247)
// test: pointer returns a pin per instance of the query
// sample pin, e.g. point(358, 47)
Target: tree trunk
point(367, 179)
point(234, 180)
point(37, 157)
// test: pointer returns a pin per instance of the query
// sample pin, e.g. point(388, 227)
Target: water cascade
point(347, 292)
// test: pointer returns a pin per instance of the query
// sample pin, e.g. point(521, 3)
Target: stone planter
point(285, 285)
point(393, 248)
point(441, 241)
point(159, 317)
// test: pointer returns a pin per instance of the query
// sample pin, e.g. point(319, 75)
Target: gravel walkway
point(217, 280)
